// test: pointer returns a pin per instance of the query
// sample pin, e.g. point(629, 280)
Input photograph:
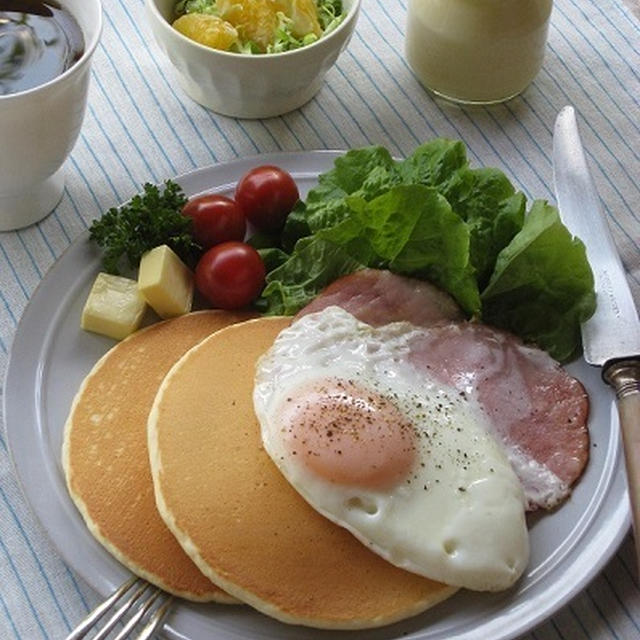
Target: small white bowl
point(249, 86)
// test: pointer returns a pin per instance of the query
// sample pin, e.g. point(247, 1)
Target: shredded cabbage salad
point(262, 26)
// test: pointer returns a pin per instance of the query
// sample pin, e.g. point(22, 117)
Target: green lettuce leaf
point(484, 198)
point(409, 229)
point(314, 264)
point(431, 216)
point(494, 213)
point(368, 171)
point(412, 230)
point(542, 286)
point(439, 163)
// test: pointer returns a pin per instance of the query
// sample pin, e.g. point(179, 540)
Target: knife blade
point(611, 337)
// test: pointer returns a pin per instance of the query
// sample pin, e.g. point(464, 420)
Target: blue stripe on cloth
point(144, 43)
point(596, 605)
point(627, 562)
point(3, 444)
point(592, 156)
point(546, 154)
point(11, 564)
point(74, 206)
point(518, 149)
point(90, 148)
point(390, 104)
point(14, 272)
point(285, 123)
point(279, 134)
point(77, 588)
point(3, 345)
point(7, 306)
point(130, 137)
point(8, 616)
point(622, 86)
point(556, 628)
point(38, 563)
point(612, 219)
point(136, 108)
point(583, 626)
point(25, 592)
point(327, 115)
point(490, 143)
point(605, 95)
point(309, 123)
point(43, 237)
point(262, 125)
point(21, 238)
point(58, 219)
point(596, 160)
point(112, 146)
point(87, 183)
point(614, 49)
point(569, 625)
point(626, 14)
point(244, 131)
point(350, 87)
point(342, 104)
point(612, 586)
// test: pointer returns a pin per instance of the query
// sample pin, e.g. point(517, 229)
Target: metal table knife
point(611, 337)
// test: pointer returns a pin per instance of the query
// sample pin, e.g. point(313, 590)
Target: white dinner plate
point(51, 355)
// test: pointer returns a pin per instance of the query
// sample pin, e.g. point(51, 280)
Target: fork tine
point(138, 591)
point(138, 615)
point(89, 622)
point(120, 612)
point(156, 620)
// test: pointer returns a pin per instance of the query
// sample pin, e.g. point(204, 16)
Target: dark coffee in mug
point(38, 41)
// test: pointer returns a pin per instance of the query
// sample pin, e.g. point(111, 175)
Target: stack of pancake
point(164, 460)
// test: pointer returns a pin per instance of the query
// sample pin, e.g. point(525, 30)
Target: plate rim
point(294, 161)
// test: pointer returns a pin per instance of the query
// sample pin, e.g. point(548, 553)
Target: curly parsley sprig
point(149, 219)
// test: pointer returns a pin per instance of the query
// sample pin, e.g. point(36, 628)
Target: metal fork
point(145, 603)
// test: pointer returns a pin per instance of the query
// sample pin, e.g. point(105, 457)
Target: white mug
point(38, 128)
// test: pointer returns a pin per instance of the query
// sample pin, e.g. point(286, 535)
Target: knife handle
point(624, 377)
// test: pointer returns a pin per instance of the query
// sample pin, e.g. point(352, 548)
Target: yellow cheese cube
point(165, 282)
point(114, 307)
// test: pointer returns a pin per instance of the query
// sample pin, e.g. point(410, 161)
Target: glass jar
point(477, 51)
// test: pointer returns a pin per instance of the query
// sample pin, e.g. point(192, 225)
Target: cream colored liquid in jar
point(480, 51)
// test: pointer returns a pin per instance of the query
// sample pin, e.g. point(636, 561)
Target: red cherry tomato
point(267, 194)
point(230, 275)
point(216, 219)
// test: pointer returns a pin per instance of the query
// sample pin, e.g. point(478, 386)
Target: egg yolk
point(349, 435)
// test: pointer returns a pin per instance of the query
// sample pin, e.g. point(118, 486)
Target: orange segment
point(208, 30)
point(255, 20)
point(304, 15)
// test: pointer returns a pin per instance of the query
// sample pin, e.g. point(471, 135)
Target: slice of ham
point(380, 297)
point(539, 412)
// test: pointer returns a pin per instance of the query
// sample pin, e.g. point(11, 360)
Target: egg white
point(458, 517)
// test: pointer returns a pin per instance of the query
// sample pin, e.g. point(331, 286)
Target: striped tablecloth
point(140, 127)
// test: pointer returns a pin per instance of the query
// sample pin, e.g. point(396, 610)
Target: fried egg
point(404, 463)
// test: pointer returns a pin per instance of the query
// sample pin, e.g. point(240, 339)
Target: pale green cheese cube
point(114, 307)
point(165, 282)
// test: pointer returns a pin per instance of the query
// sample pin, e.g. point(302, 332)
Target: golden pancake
point(105, 455)
point(233, 512)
